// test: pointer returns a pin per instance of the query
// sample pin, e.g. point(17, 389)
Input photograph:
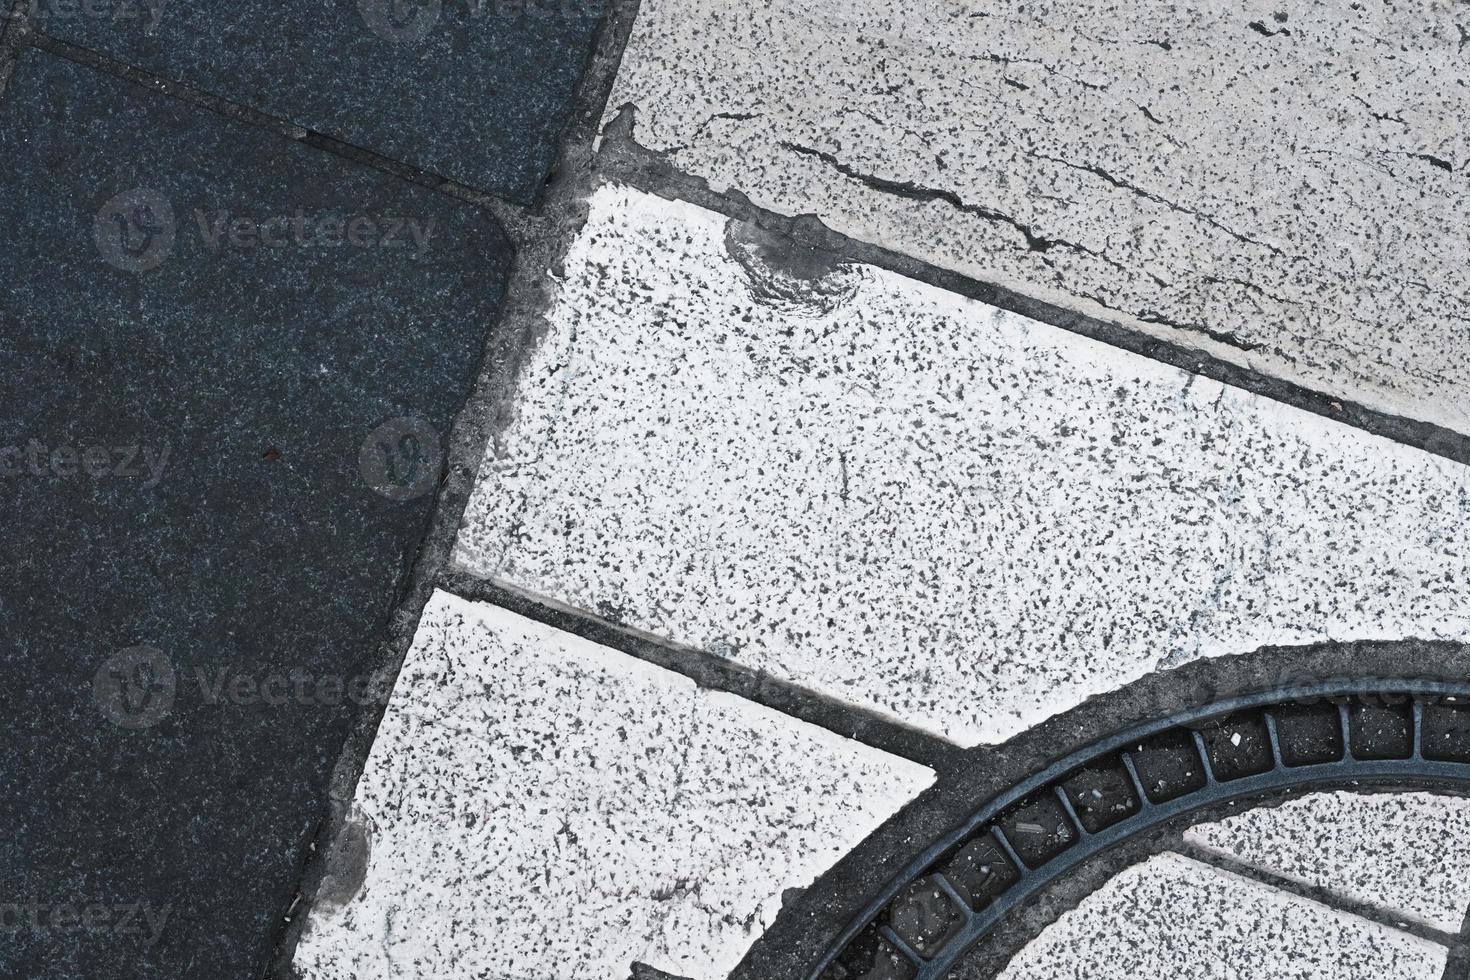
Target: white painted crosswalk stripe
point(959, 517)
point(1172, 917)
point(536, 806)
point(1291, 202)
point(1405, 853)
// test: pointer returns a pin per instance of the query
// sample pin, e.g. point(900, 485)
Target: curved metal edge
point(980, 925)
point(1280, 777)
point(835, 908)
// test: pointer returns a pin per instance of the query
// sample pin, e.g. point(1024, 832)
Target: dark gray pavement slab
point(201, 325)
point(475, 90)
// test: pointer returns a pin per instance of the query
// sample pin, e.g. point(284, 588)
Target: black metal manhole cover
point(957, 896)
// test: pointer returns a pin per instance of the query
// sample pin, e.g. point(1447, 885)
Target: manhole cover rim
point(1403, 772)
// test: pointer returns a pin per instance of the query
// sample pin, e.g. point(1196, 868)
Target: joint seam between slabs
point(713, 673)
point(1320, 895)
point(621, 159)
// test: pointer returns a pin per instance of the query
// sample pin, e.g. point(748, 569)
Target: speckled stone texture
point(1282, 185)
point(1176, 918)
point(1407, 853)
point(256, 549)
point(920, 504)
point(538, 806)
point(475, 90)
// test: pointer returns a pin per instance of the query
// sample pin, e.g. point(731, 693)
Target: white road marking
point(1302, 195)
point(956, 516)
point(541, 807)
point(1406, 853)
point(1176, 918)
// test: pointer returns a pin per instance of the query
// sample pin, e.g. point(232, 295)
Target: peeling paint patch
point(788, 275)
point(346, 866)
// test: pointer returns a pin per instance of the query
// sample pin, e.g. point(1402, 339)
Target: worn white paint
point(922, 505)
point(1178, 919)
point(541, 808)
point(1173, 168)
point(1407, 853)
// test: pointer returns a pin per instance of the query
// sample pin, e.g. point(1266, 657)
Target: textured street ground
point(232, 355)
point(780, 489)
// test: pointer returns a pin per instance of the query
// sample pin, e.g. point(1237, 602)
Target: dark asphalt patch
point(474, 90)
point(184, 646)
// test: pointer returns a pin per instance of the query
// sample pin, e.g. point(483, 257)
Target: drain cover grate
point(1397, 734)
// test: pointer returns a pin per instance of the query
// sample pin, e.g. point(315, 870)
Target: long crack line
point(1035, 241)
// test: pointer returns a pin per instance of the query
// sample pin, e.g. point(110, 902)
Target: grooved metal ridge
point(1391, 733)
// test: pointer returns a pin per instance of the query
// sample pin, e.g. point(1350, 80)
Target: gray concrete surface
point(537, 807)
point(921, 505)
point(1283, 185)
